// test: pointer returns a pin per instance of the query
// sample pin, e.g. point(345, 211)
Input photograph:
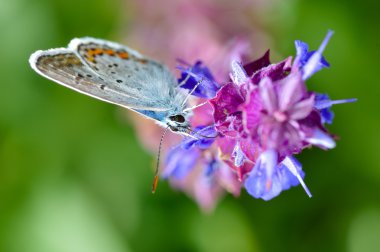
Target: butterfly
point(117, 74)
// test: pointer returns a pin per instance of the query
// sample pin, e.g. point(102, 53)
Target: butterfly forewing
point(66, 68)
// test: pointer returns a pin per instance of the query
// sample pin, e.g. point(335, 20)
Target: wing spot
point(116, 65)
point(110, 52)
point(102, 86)
point(110, 65)
point(113, 72)
point(123, 55)
point(79, 77)
point(143, 61)
point(119, 81)
point(89, 75)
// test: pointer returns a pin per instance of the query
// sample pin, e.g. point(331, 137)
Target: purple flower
point(182, 159)
point(194, 166)
point(327, 115)
point(311, 62)
point(227, 117)
point(262, 182)
point(198, 73)
point(180, 162)
point(268, 177)
point(262, 116)
point(323, 104)
point(202, 138)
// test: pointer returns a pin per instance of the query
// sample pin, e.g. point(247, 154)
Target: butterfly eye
point(177, 118)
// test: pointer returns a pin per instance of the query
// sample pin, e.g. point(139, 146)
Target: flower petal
point(203, 138)
point(258, 64)
point(252, 110)
point(321, 139)
point(302, 109)
point(268, 95)
point(323, 101)
point(302, 50)
point(296, 169)
point(327, 116)
point(316, 61)
point(274, 72)
point(180, 162)
point(238, 155)
point(227, 117)
point(238, 74)
point(193, 75)
point(292, 90)
point(288, 173)
point(259, 182)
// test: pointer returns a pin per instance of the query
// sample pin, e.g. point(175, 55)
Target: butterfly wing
point(129, 71)
point(66, 68)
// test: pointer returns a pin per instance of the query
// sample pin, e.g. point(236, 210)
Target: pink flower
point(263, 116)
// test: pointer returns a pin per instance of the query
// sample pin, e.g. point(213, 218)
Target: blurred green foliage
point(74, 179)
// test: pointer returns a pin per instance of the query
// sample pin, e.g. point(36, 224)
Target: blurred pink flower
point(214, 31)
point(210, 30)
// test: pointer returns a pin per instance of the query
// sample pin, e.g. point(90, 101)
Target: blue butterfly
point(117, 74)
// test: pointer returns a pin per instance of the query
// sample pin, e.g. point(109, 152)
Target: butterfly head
point(178, 123)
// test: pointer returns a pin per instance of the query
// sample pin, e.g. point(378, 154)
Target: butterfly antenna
point(155, 180)
point(196, 106)
point(192, 91)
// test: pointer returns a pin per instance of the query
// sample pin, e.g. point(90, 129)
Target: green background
point(73, 177)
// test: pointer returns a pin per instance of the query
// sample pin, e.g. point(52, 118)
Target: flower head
point(261, 118)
